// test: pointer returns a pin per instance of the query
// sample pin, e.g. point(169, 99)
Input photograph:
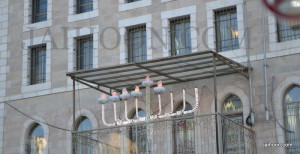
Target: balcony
point(182, 135)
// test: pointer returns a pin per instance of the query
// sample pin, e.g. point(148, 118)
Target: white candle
point(172, 104)
point(136, 108)
point(159, 104)
point(115, 113)
point(196, 97)
point(183, 93)
point(126, 114)
point(103, 117)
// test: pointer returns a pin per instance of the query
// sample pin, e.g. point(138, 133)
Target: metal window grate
point(292, 117)
point(137, 45)
point(34, 140)
point(84, 53)
point(184, 132)
point(226, 28)
point(180, 36)
point(84, 6)
point(38, 64)
point(287, 30)
point(39, 10)
point(138, 135)
point(291, 106)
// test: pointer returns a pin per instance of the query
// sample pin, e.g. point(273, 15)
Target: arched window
point(233, 108)
point(292, 118)
point(36, 142)
point(233, 135)
point(83, 124)
point(138, 135)
point(184, 133)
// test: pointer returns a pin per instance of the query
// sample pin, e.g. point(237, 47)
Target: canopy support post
point(216, 104)
point(74, 120)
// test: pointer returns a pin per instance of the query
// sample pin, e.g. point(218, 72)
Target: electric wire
point(38, 121)
point(285, 129)
point(56, 127)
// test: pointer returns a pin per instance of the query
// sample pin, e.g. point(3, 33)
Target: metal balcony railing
point(181, 135)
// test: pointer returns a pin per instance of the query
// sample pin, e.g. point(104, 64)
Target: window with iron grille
point(287, 30)
point(129, 1)
point(291, 106)
point(226, 29)
point(233, 140)
point(39, 10)
point(180, 36)
point(138, 135)
point(84, 53)
point(84, 6)
point(84, 124)
point(137, 46)
point(184, 133)
point(38, 64)
point(35, 142)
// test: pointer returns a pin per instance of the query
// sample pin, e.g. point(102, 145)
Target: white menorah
point(125, 96)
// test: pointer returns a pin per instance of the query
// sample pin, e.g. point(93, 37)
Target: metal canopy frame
point(170, 70)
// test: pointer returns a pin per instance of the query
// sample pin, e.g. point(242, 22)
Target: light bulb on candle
point(125, 96)
point(103, 99)
point(114, 93)
point(159, 84)
point(137, 88)
point(103, 96)
point(147, 81)
point(114, 97)
point(124, 91)
point(159, 89)
point(136, 92)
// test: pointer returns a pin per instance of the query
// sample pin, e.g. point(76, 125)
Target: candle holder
point(103, 99)
point(125, 96)
point(114, 97)
point(136, 93)
point(147, 82)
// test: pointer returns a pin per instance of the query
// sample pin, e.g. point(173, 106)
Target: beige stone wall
point(54, 103)
point(4, 68)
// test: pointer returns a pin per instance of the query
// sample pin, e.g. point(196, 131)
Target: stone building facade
point(24, 26)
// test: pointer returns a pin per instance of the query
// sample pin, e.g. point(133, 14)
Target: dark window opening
point(84, 6)
point(130, 1)
point(39, 10)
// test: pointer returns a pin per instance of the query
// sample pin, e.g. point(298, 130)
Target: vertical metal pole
point(249, 60)
point(216, 104)
point(148, 113)
point(124, 145)
point(136, 137)
point(74, 96)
